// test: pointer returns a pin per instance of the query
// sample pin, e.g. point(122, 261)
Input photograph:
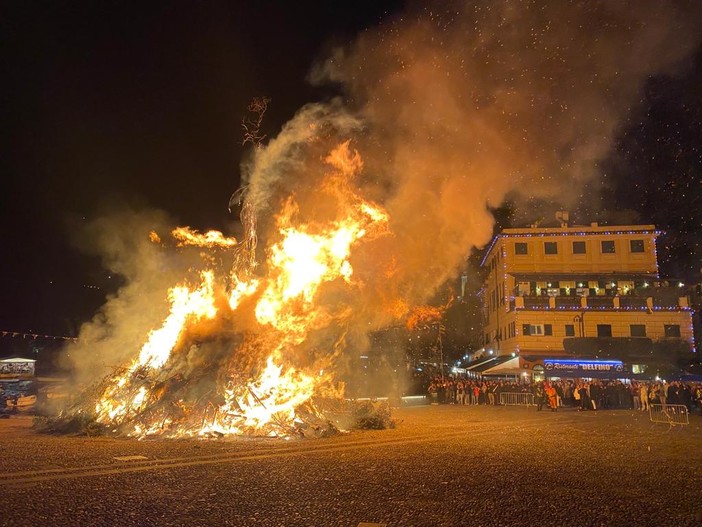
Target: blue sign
point(585, 368)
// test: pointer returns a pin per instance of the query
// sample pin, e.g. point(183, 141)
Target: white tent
point(16, 366)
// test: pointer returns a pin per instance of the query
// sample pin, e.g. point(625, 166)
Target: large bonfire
point(261, 380)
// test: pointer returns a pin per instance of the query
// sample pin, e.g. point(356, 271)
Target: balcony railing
point(599, 302)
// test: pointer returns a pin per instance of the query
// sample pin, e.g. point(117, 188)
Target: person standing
point(559, 394)
point(685, 396)
point(460, 393)
point(491, 394)
point(643, 396)
point(552, 395)
point(595, 396)
point(635, 396)
point(540, 396)
point(672, 394)
point(585, 397)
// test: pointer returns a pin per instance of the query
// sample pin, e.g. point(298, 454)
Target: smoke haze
point(466, 103)
point(452, 110)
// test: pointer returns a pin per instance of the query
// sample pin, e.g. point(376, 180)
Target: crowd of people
point(583, 395)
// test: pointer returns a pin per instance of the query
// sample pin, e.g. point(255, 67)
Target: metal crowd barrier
point(671, 414)
point(517, 399)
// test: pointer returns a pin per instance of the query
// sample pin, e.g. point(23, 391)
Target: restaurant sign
point(584, 368)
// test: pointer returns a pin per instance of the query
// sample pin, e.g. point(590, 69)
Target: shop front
point(547, 368)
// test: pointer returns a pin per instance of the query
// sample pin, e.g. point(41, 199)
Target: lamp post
point(442, 330)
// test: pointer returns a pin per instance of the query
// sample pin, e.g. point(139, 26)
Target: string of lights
point(35, 336)
point(607, 308)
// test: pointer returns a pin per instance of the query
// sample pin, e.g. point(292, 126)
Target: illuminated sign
point(584, 368)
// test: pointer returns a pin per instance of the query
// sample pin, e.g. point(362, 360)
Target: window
point(520, 248)
point(604, 330)
point(548, 329)
point(550, 247)
point(636, 246)
point(638, 330)
point(533, 329)
point(570, 330)
point(608, 247)
point(671, 330)
point(578, 247)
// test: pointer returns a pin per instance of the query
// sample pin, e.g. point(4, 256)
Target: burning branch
point(252, 122)
point(245, 252)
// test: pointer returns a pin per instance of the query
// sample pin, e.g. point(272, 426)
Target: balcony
point(663, 299)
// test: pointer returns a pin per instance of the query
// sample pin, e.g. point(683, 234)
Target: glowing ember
point(188, 236)
point(272, 398)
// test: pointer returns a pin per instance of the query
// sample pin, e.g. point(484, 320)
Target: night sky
point(111, 105)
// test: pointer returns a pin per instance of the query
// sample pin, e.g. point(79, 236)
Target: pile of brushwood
point(168, 415)
point(372, 415)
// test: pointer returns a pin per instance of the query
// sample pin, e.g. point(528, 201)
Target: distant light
point(490, 352)
point(364, 356)
point(645, 284)
point(514, 354)
point(681, 284)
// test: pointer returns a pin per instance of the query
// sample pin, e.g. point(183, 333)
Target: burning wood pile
point(236, 353)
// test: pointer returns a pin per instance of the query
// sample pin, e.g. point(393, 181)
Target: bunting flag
point(13, 334)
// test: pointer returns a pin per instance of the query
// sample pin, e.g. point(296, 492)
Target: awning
point(15, 360)
point(480, 364)
point(511, 366)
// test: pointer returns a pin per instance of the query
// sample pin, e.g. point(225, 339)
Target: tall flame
point(285, 308)
point(186, 306)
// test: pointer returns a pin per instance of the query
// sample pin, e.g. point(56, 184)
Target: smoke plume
point(452, 108)
point(148, 270)
point(463, 104)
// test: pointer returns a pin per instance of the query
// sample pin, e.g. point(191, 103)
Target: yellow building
point(547, 288)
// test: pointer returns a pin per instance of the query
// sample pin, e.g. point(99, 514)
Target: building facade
point(575, 290)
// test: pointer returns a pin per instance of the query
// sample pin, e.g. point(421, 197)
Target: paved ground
point(442, 466)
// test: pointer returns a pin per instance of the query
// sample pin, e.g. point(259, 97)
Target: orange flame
point(186, 306)
point(424, 315)
point(188, 236)
point(285, 309)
